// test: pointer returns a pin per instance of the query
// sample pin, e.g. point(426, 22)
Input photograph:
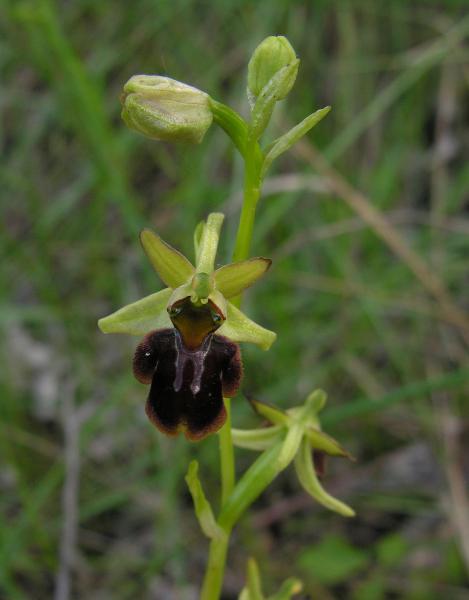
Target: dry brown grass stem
point(360, 204)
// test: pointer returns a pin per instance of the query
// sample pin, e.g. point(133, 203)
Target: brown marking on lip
point(193, 322)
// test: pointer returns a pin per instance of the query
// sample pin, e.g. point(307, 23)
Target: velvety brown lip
point(187, 386)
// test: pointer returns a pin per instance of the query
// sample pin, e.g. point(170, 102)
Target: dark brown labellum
point(187, 384)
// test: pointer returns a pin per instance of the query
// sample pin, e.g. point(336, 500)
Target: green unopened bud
point(273, 54)
point(164, 109)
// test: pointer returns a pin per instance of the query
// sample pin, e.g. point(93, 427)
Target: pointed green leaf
point(139, 317)
point(271, 413)
point(321, 441)
point(310, 482)
point(172, 266)
point(287, 140)
point(256, 439)
point(273, 91)
point(240, 328)
point(203, 510)
point(289, 588)
point(232, 279)
point(209, 243)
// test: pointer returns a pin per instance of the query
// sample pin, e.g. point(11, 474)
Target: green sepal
point(256, 439)
point(316, 401)
point(232, 279)
point(270, 94)
point(198, 232)
point(140, 317)
point(307, 477)
point(203, 510)
point(172, 266)
point(239, 328)
point(290, 445)
point(209, 243)
point(271, 413)
point(289, 588)
point(286, 141)
point(321, 441)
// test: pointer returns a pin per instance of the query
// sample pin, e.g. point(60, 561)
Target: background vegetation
point(367, 293)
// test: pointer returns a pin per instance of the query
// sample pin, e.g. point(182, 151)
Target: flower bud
point(165, 109)
point(273, 54)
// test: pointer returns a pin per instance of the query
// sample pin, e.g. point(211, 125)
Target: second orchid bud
point(165, 109)
point(272, 55)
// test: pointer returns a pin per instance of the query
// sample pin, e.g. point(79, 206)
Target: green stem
point(251, 196)
point(213, 580)
point(227, 466)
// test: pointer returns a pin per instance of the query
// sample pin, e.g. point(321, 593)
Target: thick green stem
point(213, 579)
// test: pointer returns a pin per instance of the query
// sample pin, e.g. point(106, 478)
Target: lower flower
point(188, 380)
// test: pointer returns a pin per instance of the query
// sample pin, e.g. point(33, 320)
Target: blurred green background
point(367, 305)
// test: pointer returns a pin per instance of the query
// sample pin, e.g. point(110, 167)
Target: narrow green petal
point(139, 317)
point(256, 439)
point(271, 413)
point(172, 266)
point(316, 401)
point(308, 479)
point(240, 328)
point(198, 232)
point(290, 445)
point(321, 441)
point(209, 243)
point(232, 279)
point(203, 510)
